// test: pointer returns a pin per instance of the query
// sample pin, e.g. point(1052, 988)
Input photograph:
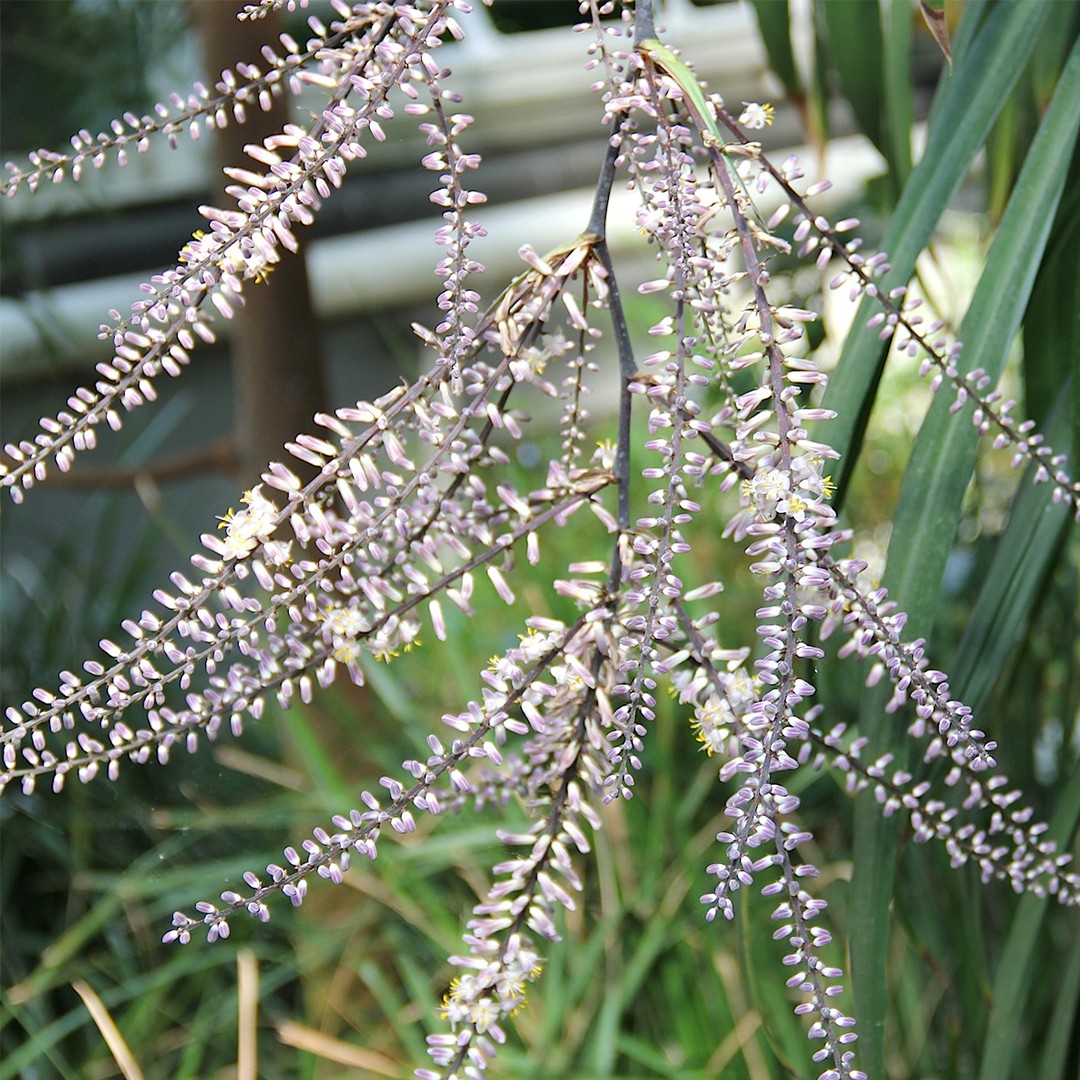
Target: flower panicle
point(992, 412)
point(456, 301)
point(202, 109)
point(753, 723)
point(521, 906)
point(502, 937)
point(410, 510)
point(369, 602)
point(298, 169)
point(673, 207)
point(263, 8)
point(435, 783)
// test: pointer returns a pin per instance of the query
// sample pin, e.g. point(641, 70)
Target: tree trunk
point(277, 369)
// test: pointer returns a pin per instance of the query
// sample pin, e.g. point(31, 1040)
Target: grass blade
point(774, 23)
point(121, 1052)
point(1055, 1055)
point(930, 504)
point(858, 55)
point(973, 98)
point(898, 105)
point(1015, 972)
point(1013, 583)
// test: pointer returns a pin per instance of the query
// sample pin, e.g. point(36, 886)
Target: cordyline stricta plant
point(404, 509)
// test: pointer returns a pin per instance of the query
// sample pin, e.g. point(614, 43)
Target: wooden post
point(276, 362)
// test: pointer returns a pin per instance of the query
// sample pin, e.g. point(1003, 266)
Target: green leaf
point(1051, 334)
point(982, 80)
point(898, 105)
point(817, 108)
point(858, 54)
point(1014, 581)
point(941, 466)
point(774, 25)
point(1055, 1055)
point(1004, 148)
point(1015, 970)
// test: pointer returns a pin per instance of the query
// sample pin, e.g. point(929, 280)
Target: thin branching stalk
point(412, 509)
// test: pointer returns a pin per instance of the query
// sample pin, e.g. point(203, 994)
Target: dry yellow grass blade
point(123, 1056)
point(330, 1049)
point(247, 983)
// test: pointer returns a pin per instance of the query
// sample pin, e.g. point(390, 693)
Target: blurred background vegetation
point(978, 982)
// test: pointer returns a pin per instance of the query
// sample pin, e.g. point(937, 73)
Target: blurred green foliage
point(60, 42)
point(954, 980)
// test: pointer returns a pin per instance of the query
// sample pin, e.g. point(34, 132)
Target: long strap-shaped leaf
point(982, 81)
point(1017, 575)
point(1014, 975)
point(774, 26)
point(943, 457)
point(1001, 619)
point(937, 476)
point(666, 60)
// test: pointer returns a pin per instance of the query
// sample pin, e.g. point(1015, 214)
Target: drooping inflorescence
point(376, 49)
point(411, 510)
